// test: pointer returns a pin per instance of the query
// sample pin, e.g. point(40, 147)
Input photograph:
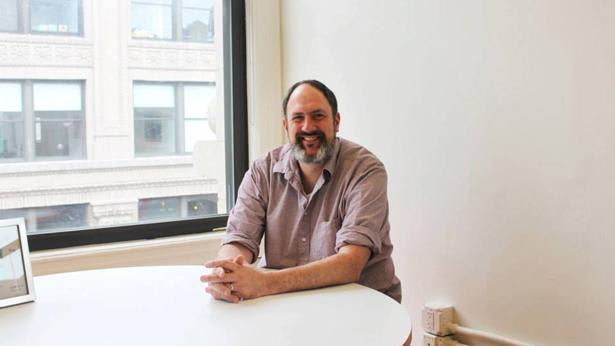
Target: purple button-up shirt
point(348, 205)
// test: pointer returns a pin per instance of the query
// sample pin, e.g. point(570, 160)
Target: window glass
point(9, 18)
point(152, 21)
point(154, 95)
point(159, 2)
point(11, 121)
point(198, 99)
point(112, 145)
point(159, 208)
point(55, 16)
point(10, 97)
point(197, 130)
point(59, 138)
point(11, 140)
point(57, 96)
point(198, 3)
point(60, 218)
point(167, 208)
point(197, 25)
point(58, 120)
point(154, 111)
point(202, 205)
point(154, 136)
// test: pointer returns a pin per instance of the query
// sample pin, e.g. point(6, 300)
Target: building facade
point(101, 106)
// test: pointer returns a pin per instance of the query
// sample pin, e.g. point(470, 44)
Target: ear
point(336, 122)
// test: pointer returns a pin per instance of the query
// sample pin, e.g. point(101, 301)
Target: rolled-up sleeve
point(365, 222)
point(246, 221)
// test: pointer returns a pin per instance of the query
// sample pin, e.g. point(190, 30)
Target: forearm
point(232, 250)
point(341, 268)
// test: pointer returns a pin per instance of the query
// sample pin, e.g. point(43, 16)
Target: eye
point(318, 116)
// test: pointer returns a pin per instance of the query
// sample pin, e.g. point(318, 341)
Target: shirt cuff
point(358, 235)
point(247, 243)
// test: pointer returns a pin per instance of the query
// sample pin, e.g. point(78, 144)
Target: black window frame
point(24, 21)
point(235, 101)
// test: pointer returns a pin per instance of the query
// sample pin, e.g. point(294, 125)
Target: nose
point(308, 125)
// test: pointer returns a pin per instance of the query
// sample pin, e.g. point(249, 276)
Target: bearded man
point(320, 202)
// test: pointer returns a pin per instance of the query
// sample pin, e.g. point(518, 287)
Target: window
point(181, 20)
point(11, 121)
point(9, 15)
point(197, 21)
point(62, 17)
point(55, 16)
point(45, 219)
point(53, 125)
point(174, 207)
point(117, 139)
point(171, 117)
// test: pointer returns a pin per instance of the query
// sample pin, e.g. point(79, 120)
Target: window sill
point(190, 249)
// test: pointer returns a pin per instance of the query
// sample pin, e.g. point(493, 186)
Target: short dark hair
point(329, 95)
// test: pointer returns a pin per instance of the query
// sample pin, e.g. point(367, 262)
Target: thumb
point(239, 259)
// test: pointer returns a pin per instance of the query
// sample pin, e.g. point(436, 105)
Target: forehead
point(306, 98)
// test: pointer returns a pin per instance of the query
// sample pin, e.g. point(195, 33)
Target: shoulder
point(353, 156)
point(270, 160)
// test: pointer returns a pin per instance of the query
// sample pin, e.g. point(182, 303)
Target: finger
point(222, 292)
point(218, 271)
point(225, 264)
point(212, 278)
point(216, 294)
point(239, 260)
point(218, 259)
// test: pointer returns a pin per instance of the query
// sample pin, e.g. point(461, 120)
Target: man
point(321, 203)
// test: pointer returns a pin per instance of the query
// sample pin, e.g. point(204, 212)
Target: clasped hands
point(234, 280)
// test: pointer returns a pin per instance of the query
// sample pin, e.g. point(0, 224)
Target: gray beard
point(322, 155)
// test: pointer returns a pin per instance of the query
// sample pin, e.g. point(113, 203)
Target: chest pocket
point(323, 239)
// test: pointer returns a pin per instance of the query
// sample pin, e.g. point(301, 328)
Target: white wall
point(495, 120)
point(264, 76)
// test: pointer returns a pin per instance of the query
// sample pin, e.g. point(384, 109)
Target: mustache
point(300, 135)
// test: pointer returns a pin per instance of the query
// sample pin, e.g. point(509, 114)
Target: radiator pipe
point(484, 336)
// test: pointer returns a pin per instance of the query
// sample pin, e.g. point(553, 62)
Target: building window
point(169, 208)
point(41, 120)
point(61, 17)
point(171, 117)
point(177, 131)
point(55, 16)
point(9, 15)
point(59, 125)
point(49, 219)
point(180, 20)
point(11, 121)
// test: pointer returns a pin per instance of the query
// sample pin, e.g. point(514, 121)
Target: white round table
point(168, 306)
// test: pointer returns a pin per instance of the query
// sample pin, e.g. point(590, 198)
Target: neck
point(309, 175)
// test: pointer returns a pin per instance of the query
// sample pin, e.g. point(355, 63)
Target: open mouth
point(311, 139)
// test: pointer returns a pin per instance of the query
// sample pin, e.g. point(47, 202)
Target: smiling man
point(320, 202)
